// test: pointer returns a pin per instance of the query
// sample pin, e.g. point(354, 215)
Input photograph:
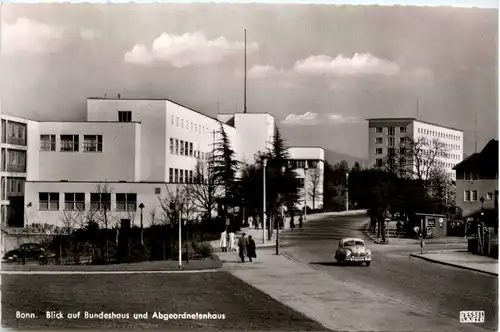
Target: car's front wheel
point(368, 263)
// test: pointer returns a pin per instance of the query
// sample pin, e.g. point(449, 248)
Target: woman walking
point(251, 248)
point(292, 222)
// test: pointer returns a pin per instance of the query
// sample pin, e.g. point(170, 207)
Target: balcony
point(16, 168)
point(16, 141)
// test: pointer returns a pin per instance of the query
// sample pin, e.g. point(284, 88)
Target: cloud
point(186, 50)
point(29, 37)
point(301, 119)
point(340, 118)
point(89, 34)
point(265, 71)
point(359, 64)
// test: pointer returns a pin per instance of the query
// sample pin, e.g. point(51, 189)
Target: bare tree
point(314, 185)
point(71, 220)
point(101, 210)
point(205, 191)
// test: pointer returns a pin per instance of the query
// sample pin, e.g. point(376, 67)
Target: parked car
point(26, 251)
point(353, 250)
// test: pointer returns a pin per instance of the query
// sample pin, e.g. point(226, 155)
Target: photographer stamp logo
point(472, 316)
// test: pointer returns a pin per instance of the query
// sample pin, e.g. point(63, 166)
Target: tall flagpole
point(475, 140)
point(245, 77)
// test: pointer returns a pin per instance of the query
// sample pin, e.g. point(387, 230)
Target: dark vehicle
point(31, 251)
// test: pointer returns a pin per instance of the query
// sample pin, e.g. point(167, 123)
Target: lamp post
point(264, 164)
point(141, 206)
point(278, 223)
point(347, 191)
point(482, 207)
point(306, 168)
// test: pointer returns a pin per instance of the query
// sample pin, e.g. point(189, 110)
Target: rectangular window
point(474, 196)
point(176, 177)
point(177, 121)
point(16, 133)
point(474, 176)
point(467, 196)
point(402, 129)
point(176, 146)
point(47, 142)
point(195, 128)
point(402, 151)
point(16, 161)
point(172, 119)
point(190, 176)
point(391, 141)
point(69, 143)
point(74, 201)
point(379, 162)
point(467, 176)
point(391, 152)
point(182, 123)
point(379, 140)
point(402, 140)
point(100, 201)
point(126, 202)
point(48, 201)
point(379, 130)
point(391, 131)
point(182, 147)
point(4, 131)
point(489, 196)
point(171, 174)
point(181, 176)
point(190, 149)
point(203, 156)
point(186, 148)
point(378, 151)
point(172, 146)
point(15, 187)
point(92, 143)
point(313, 163)
point(124, 116)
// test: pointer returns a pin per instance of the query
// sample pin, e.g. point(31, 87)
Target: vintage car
point(353, 250)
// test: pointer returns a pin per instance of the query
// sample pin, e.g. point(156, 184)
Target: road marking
point(106, 272)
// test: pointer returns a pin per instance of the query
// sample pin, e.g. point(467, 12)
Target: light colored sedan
point(353, 250)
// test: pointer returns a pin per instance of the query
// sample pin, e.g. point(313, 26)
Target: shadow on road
point(325, 263)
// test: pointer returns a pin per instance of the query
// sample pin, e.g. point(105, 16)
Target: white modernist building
point(127, 152)
point(388, 134)
point(309, 164)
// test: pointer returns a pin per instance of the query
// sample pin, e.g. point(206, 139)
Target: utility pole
point(245, 77)
point(475, 140)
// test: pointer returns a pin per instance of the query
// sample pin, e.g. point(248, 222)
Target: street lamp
point(347, 191)
point(482, 206)
point(264, 164)
point(282, 216)
point(306, 168)
point(141, 206)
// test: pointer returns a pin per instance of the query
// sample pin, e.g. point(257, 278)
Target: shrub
point(204, 249)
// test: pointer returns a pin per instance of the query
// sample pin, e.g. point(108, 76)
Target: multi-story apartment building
point(309, 164)
point(388, 136)
point(477, 182)
point(128, 152)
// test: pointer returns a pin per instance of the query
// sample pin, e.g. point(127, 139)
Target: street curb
point(451, 264)
point(371, 237)
point(60, 272)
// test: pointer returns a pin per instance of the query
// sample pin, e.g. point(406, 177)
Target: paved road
point(432, 288)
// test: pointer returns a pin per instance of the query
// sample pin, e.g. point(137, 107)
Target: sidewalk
point(337, 305)
point(461, 259)
point(258, 234)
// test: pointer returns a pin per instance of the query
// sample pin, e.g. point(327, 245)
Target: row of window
point(184, 148)
point(471, 196)
point(13, 160)
point(438, 134)
point(391, 140)
point(391, 131)
point(191, 126)
point(300, 164)
point(71, 143)
point(180, 175)
point(14, 132)
point(76, 202)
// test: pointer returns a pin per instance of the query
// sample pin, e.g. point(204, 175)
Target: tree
point(314, 185)
point(102, 209)
point(334, 185)
point(225, 167)
point(204, 193)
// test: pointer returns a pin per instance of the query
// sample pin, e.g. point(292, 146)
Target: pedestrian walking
point(250, 222)
point(251, 253)
point(223, 241)
point(399, 228)
point(242, 247)
point(292, 222)
point(232, 242)
point(300, 222)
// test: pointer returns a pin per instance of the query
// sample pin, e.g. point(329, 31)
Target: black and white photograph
point(281, 166)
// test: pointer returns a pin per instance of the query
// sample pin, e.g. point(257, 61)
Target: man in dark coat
point(251, 248)
point(242, 247)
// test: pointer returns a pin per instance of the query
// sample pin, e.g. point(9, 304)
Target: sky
point(320, 70)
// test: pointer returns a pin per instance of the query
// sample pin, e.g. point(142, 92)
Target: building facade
point(126, 153)
point(477, 177)
point(389, 136)
point(309, 164)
